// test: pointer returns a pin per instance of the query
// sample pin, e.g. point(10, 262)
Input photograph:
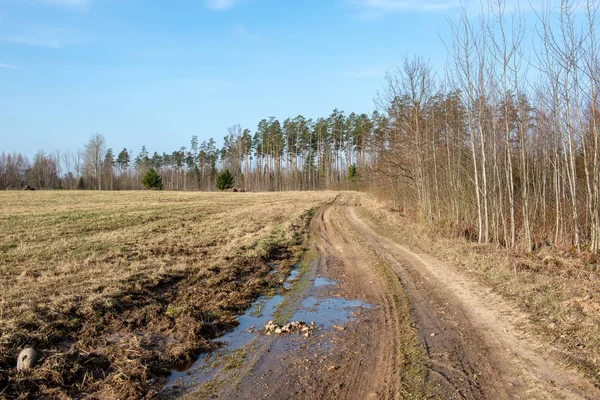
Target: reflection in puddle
point(320, 281)
point(252, 320)
point(329, 311)
point(291, 278)
point(325, 312)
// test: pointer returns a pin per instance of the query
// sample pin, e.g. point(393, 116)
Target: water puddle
point(325, 312)
point(320, 281)
point(293, 277)
point(273, 268)
point(328, 312)
point(253, 320)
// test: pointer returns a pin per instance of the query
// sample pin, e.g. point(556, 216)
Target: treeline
point(97, 168)
point(298, 154)
point(502, 146)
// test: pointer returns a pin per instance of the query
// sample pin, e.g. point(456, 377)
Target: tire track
point(474, 346)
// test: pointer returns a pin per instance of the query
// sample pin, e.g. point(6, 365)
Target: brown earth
point(431, 332)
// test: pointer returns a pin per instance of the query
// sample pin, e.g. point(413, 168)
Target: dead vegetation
point(556, 287)
point(116, 289)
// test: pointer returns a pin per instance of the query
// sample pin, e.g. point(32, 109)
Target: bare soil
point(431, 332)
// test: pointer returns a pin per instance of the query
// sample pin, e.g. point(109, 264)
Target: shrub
point(225, 180)
point(352, 173)
point(152, 180)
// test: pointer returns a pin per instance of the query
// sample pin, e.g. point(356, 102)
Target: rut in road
point(474, 346)
point(358, 361)
point(469, 344)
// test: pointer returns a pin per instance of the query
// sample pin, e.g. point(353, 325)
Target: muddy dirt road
point(392, 324)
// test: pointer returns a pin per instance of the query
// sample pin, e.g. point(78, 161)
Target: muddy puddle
point(293, 277)
point(207, 365)
point(320, 281)
point(325, 312)
point(328, 312)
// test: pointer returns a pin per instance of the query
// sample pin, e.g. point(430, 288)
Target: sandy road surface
point(473, 344)
point(475, 348)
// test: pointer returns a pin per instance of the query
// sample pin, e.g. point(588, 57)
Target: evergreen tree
point(152, 180)
point(142, 160)
point(352, 172)
point(225, 180)
point(109, 164)
point(123, 160)
point(109, 158)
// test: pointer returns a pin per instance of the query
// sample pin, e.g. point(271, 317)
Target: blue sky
point(156, 72)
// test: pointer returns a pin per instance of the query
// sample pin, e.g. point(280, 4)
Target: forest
point(501, 146)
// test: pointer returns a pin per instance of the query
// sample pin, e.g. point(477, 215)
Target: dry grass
point(558, 290)
point(116, 287)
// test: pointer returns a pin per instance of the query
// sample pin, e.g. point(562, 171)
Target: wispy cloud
point(8, 66)
point(380, 8)
point(369, 71)
point(40, 36)
point(32, 41)
point(222, 4)
point(65, 3)
point(244, 33)
point(206, 85)
point(70, 4)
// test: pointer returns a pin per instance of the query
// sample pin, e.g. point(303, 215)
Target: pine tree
point(152, 180)
point(225, 180)
point(123, 160)
point(352, 173)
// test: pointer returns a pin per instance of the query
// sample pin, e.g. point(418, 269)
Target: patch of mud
point(207, 366)
point(320, 307)
point(204, 368)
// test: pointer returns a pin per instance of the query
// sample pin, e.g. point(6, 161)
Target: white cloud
point(8, 66)
point(203, 84)
point(66, 3)
point(379, 8)
point(244, 33)
point(73, 4)
point(369, 71)
point(40, 36)
point(221, 4)
point(32, 41)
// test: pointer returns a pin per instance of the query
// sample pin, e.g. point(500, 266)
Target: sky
point(157, 72)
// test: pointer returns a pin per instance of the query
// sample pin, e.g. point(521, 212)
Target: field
point(161, 295)
point(115, 288)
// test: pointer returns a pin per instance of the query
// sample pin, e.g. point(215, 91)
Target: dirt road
point(411, 327)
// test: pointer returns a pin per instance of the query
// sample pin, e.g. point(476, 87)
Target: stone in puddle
point(292, 327)
point(28, 358)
